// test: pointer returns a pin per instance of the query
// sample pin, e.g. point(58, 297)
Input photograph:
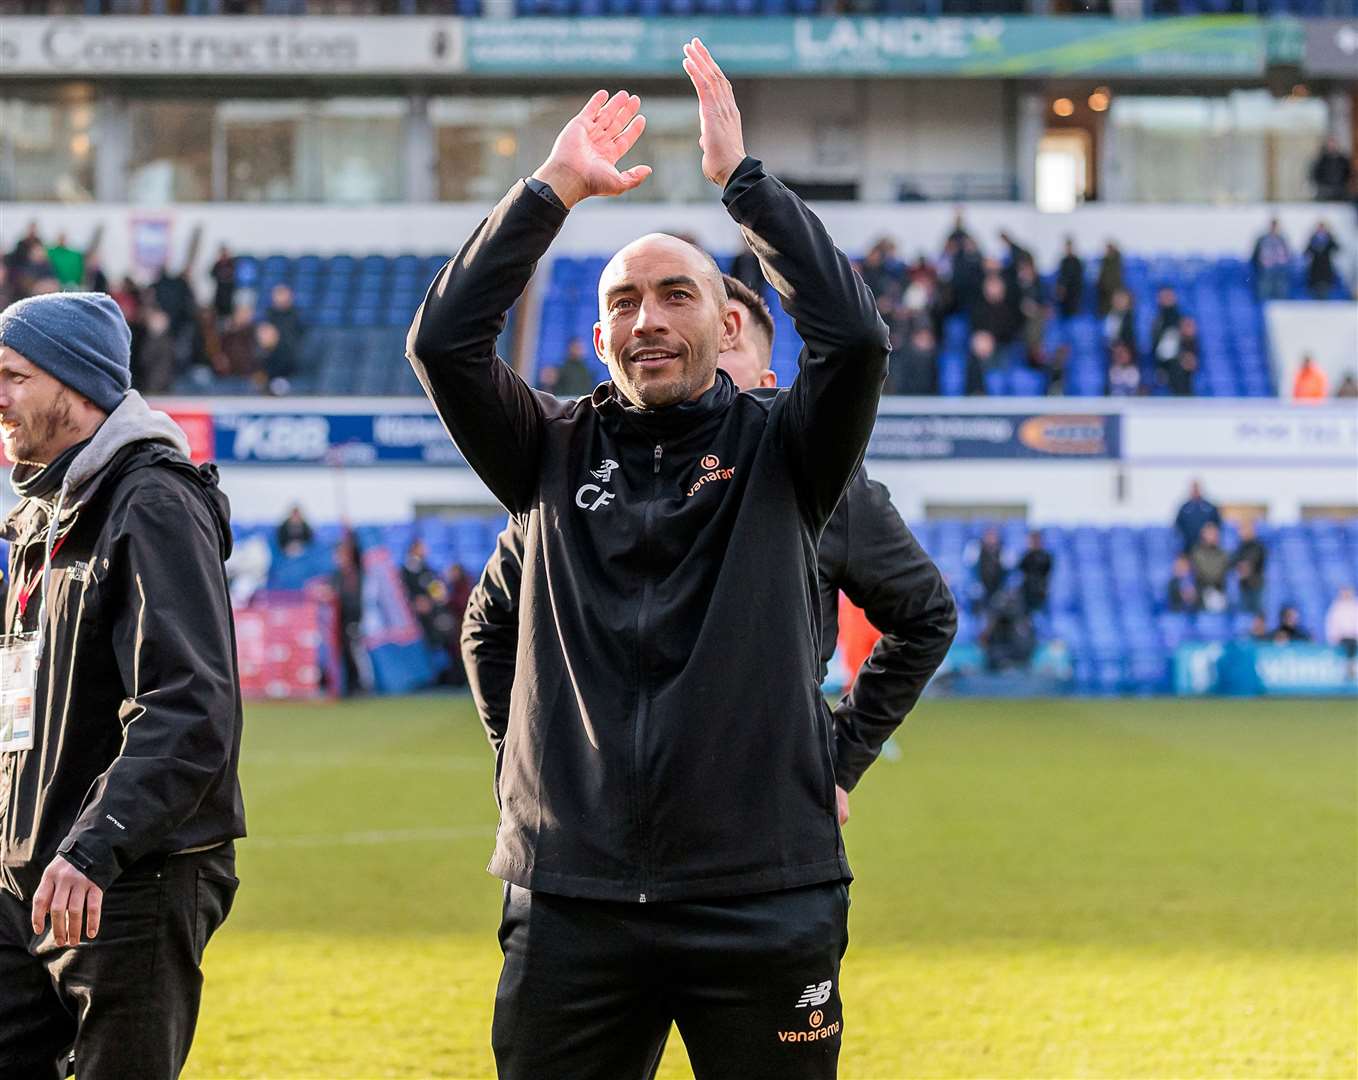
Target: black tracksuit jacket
point(666, 737)
point(137, 711)
point(866, 551)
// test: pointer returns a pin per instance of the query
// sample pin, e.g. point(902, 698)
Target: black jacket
point(866, 551)
point(138, 712)
point(666, 738)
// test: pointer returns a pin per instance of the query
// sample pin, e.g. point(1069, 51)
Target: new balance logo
point(815, 994)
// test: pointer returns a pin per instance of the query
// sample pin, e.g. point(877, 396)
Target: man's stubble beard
point(48, 425)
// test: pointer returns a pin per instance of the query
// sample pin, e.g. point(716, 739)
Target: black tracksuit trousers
point(590, 987)
point(126, 1002)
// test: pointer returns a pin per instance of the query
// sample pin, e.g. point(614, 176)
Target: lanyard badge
point(18, 678)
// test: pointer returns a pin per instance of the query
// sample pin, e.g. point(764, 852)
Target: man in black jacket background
point(668, 829)
point(866, 551)
point(120, 801)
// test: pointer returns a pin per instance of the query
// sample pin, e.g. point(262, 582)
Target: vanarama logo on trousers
point(712, 464)
point(815, 1030)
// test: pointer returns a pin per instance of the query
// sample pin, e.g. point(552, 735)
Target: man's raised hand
point(721, 137)
point(584, 158)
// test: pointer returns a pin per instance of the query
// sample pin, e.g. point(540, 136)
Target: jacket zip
point(643, 690)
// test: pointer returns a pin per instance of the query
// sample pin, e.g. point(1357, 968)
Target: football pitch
point(1151, 888)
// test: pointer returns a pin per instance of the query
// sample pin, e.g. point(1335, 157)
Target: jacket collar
point(619, 414)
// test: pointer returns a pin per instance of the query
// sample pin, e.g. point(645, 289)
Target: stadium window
point(346, 150)
point(482, 145)
point(1246, 146)
point(170, 154)
point(47, 152)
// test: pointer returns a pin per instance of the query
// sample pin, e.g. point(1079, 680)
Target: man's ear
point(732, 325)
point(768, 378)
point(599, 342)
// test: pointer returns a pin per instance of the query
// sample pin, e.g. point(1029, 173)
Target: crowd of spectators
point(1007, 593)
point(1008, 306)
point(177, 342)
point(1199, 579)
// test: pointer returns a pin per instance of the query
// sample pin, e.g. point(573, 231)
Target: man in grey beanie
point(119, 797)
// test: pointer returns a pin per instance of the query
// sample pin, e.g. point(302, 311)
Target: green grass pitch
point(1044, 889)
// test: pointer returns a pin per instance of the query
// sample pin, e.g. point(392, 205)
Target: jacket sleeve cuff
point(748, 173)
point(97, 865)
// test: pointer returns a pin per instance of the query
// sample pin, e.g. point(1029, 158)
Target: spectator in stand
point(1008, 638)
point(1032, 310)
point(921, 304)
point(1321, 276)
point(1054, 363)
point(1183, 588)
point(1331, 172)
point(1259, 630)
point(174, 296)
point(95, 278)
point(993, 312)
point(880, 270)
point(574, 377)
point(1248, 561)
point(348, 585)
point(1110, 278)
point(1196, 512)
point(989, 567)
point(1070, 281)
point(294, 534)
point(427, 596)
point(980, 359)
point(965, 272)
point(68, 265)
point(1271, 264)
point(238, 355)
point(459, 591)
point(1015, 255)
point(286, 319)
point(1165, 329)
point(154, 371)
point(1341, 627)
point(7, 295)
point(224, 284)
point(1211, 564)
point(1124, 374)
point(275, 360)
point(914, 366)
point(17, 259)
point(959, 234)
point(1119, 321)
point(1289, 628)
point(1036, 568)
point(1175, 370)
point(1311, 383)
point(33, 272)
point(1348, 387)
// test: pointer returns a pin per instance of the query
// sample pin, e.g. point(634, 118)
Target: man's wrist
point(564, 184)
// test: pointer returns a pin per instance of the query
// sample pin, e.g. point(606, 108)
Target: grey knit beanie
point(80, 339)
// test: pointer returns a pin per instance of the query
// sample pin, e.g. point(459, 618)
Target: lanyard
point(26, 592)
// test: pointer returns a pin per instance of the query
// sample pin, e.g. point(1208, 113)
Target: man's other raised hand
point(721, 138)
point(584, 158)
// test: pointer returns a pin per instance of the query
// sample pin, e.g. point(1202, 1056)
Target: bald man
point(866, 552)
point(669, 835)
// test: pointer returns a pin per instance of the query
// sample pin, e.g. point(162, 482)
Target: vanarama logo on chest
point(714, 472)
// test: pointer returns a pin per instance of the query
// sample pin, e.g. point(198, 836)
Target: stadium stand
point(1107, 599)
point(1219, 293)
